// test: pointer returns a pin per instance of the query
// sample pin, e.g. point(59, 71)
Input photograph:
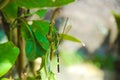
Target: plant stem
point(50, 33)
point(54, 15)
point(20, 44)
point(11, 29)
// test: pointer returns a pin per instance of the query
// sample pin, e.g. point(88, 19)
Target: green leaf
point(32, 48)
point(3, 3)
point(30, 42)
point(8, 56)
point(10, 10)
point(117, 19)
point(42, 40)
point(42, 26)
point(45, 69)
point(47, 62)
point(39, 50)
point(70, 38)
point(42, 3)
point(52, 76)
point(41, 13)
point(4, 79)
point(31, 78)
point(40, 29)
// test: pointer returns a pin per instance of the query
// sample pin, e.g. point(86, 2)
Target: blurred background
point(93, 23)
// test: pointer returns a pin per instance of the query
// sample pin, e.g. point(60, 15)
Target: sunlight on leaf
point(42, 3)
point(52, 76)
point(4, 79)
point(70, 38)
point(8, 56)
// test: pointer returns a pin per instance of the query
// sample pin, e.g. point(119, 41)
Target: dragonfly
point(60, 36)
point(58, 40)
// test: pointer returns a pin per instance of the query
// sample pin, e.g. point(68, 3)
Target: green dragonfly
point(64, 36)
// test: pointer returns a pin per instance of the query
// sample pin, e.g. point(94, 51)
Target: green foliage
point(106, 61)
point(37, 43)
point(46, 70)
point(109, 62)
point(3, 3)
point(40, 29)
point(41, 13)
point(33, 48)
point(52, 76)
point(4, 79)
point(8, 56)
point(117, 19)
point(30, 78)
point(10, 10)
point(42, 3)
point(69, 37)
